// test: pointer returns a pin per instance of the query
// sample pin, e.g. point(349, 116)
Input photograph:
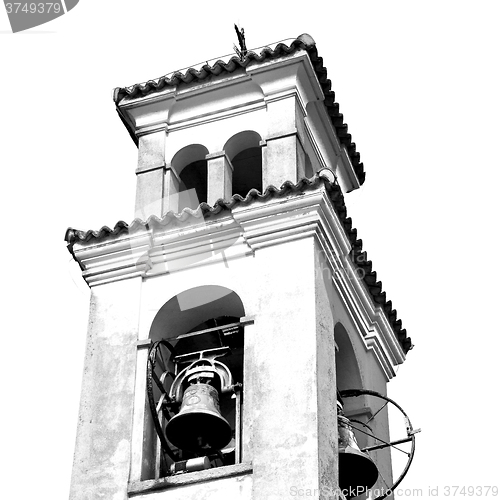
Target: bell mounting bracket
point(206, 367)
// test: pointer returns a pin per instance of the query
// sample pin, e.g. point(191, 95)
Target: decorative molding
point(143, 170)
point(217, 154)
point(151, 129)
point(315, 147)
point(242, 231)
point(214, 84)
point(202, 244)
point(349, 169)
point(344, 167)
point(128, 103)
point(220, 114)
point(356, 299)
point(282, 136)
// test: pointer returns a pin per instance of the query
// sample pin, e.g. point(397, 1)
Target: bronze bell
point(357, 471)
point(199, 424)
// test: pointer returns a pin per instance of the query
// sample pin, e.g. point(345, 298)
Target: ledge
point(137, 487)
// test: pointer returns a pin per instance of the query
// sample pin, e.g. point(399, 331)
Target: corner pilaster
point(102, 455)
point(150, 174)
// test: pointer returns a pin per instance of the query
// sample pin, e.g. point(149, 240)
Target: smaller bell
point(357, 471)
point(199, 424)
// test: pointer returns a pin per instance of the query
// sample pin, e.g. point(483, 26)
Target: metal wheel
point(381, 443)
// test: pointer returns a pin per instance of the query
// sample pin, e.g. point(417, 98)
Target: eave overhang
point(235, 228)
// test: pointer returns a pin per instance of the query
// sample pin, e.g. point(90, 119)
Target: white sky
point(418, 84)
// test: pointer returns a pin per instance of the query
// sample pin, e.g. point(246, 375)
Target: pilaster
point(102, 455)
point(150, 173)
point(220, 177)
point(288, 355)
point(171, 187)
point(326, 379)
point(283, 155)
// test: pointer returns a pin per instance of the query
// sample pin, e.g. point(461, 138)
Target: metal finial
point(242, 51)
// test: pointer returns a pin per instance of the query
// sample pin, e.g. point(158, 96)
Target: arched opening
point(202, 323)
point(245, 154)
point(191, 165)
point(347, 370)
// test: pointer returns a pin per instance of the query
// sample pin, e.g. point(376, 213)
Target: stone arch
point(192, 307)
point(190, 164)
point(245, 154)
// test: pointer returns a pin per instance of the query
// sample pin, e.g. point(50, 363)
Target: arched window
point(191, 165)
point(245, 153)
point(193, 332)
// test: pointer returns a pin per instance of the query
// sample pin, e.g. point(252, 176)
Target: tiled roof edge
point(305, 42)
point(357, 255)
point(191, 75)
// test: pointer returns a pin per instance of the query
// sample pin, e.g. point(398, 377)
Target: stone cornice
point(245, 230)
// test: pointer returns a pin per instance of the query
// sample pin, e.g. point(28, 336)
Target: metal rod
point(377, 412)
point(378, 439)
point(208, 354)
point(237, 437)
point(385, 445)
point(208, 330)
point(214, 329)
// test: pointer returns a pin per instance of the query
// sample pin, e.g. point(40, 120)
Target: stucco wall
point(102, 454)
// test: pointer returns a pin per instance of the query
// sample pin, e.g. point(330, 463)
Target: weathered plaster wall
point(327, 384)
point(102, 455)
point(283, 360)
point(289, 415)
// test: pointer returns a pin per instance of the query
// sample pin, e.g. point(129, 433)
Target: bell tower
point(230, 319)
